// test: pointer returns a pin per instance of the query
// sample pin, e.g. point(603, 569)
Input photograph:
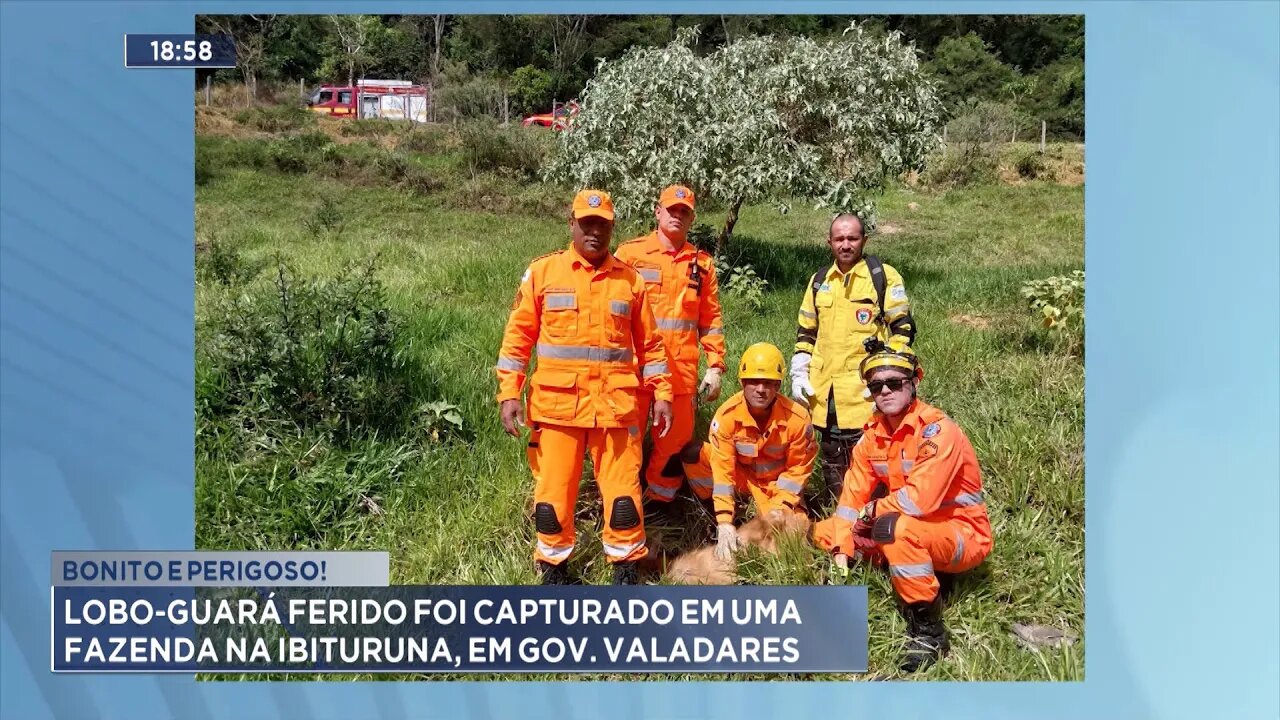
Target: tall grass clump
point(298, 356)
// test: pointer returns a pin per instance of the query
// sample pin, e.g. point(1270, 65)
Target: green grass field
point(456, 511)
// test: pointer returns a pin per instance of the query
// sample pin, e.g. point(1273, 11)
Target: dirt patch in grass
point(977, 322)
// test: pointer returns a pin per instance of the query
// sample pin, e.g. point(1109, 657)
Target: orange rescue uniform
point(685, 297)
point(597, 346)
point(929, 511)
point(771, 463)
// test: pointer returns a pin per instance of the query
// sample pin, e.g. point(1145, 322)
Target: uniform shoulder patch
point(931, 429)
point(543, 258)
point(797, 409)
point(897, 292)
point(926, 450)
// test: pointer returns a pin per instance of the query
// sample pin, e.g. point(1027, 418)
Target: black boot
point(625, 573)
point(926, 635)
point(835, 447)
point(657, 512)
point(553, 574)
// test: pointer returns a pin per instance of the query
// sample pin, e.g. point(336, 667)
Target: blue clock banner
point(179, 51)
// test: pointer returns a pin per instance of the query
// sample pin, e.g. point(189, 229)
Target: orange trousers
point(663, 488)
point(555, 457)
point(762, 492)
point(920, 547)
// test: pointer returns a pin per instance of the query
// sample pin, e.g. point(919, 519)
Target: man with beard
point(854, 300)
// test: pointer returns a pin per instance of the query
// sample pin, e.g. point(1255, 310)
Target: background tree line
point(1032, 63)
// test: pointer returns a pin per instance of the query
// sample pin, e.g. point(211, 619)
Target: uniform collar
point(910, 422)
point(775, 413)
point(859, 269)
point(576, 259)
point(653, 244)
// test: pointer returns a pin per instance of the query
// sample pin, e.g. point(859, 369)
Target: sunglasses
point(894, 385)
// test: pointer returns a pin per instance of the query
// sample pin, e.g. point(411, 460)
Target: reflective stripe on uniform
point(809, 315)
point(897, 312)
point(560, 300)
point(650, 274)
point(881, 469)
point(620, 307)
point(656, 368)
point(506, 363)
point(959, 553)
point(907, 465)
point(555, 553)
point(904, 502)
point(789, 485)
point(773, 449)
point(765, 467)
point(847, 513)
point(703, 332)
point(723, 489)
point(675, 324)
point(663, 492)
point(907, 571)
point(966, 499)
point(702, 482)
point(622, 550)
point(584, 352)
point(745, 449)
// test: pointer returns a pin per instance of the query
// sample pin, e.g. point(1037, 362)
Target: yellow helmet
point(761, 361)
point(896, 354)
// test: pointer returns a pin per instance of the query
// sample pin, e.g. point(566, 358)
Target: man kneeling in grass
point(761, 443)
point(912, 499)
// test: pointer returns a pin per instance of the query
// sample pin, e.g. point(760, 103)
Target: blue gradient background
point(96, 426)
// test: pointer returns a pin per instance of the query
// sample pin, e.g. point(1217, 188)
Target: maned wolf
point(700, 567)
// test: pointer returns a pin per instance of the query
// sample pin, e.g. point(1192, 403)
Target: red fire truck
point(390, 99)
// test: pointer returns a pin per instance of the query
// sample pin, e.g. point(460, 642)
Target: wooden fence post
point(1043, 125)
point(208, 90)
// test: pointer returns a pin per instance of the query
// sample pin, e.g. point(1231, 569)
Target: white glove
point(710, 387)
point(726, 541)
point(801, 390)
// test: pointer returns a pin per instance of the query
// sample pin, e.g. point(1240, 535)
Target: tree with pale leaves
point(354, 36)
point(831, 120)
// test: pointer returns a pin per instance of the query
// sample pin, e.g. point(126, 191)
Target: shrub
point(963, 169)
point(221, 262)
point(472, 98)
point(430, 140)
point(973, 153)
point(326, 218)
point(1059, 302)
point(1032, 166)
point(369, 128)
point(531, 89)
point(741, 284)
point(491, 193)
point(276, 119)
point(514, 151)
point(421, 182)
point(205, 169)
point(288, 157)
point(302, 356)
